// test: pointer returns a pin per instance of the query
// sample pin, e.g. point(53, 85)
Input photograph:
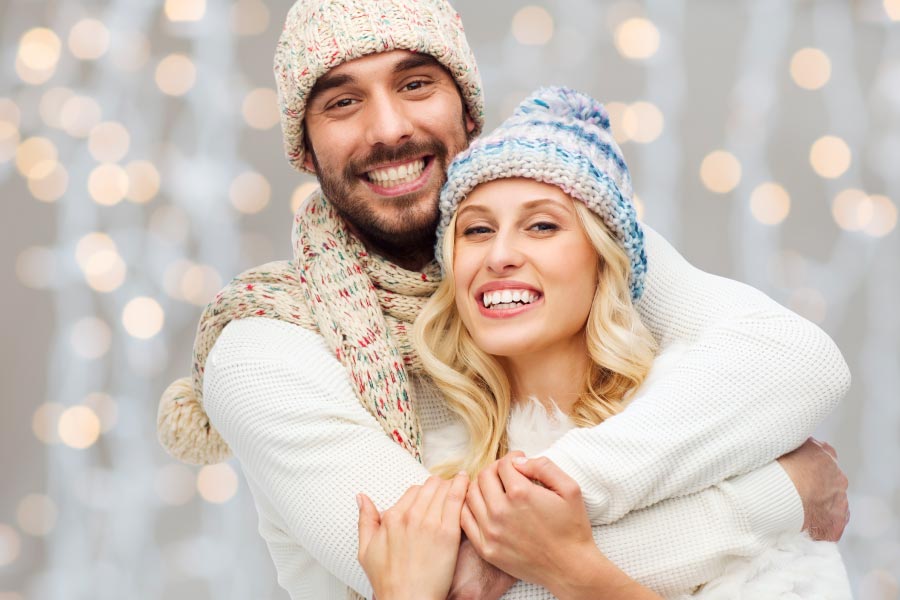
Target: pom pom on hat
point(561, 137)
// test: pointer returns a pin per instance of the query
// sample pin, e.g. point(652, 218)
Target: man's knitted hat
point(322, 34)
point(561, 137)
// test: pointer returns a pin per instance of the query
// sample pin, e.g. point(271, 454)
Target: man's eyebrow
point(415, 61)
point(327, 82)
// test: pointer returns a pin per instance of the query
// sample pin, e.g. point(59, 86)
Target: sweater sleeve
point(284, 405)
point(755, 381)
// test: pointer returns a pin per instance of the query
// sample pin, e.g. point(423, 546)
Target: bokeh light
point(108, 184)
point(9, 140)
point(642, 122)
point(10, 545)
point(185, 10)
point(532, 26)
point(720, 171)
point(50, 183)
point(88, 39)
point(9, 112)
point(616, 112)
point(36, 267)
point(36, 514)
point(301, 193)
point(637, 38)
point(892, 9)
point(109, 142)
point(91, 338)
point(884, 216)
point(852, 209)
point(879, 584)
point(810, 68)
point(770, 203)
point(105, 408)
point(176, 75)
point(38, 55)
point(260, 108)
point(143, 317)
point(79, 115)
point(105, 271)
point(830, 156)
point(45, 422)
point(79, 427)
point(51, 105)
point(217, 483)
point(175, 484)
point(250, 192)
point(34, 155)
point(198, 284)
point(143, 181)
point(249, 17)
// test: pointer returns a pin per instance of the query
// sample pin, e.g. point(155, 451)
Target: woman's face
point(525, 270)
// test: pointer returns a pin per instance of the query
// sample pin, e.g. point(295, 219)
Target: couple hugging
point(480, 375)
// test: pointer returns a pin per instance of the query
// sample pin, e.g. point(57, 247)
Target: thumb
point(369, 521)
point(544, 471)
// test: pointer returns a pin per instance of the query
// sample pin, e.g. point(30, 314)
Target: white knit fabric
point(755, 382)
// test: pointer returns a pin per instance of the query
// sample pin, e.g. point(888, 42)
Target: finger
point(491, 487)
point(431, 493)
point(470, 526)
point(369, 521)
point(512, 479)
point(455, 498)
point(830, 450)
point(544, 471)
point(475, 502)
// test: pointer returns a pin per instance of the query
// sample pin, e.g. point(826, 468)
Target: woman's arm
point(409, 551)
point(755, 381)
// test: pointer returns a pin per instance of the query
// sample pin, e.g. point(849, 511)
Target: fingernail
point(520, 460)
point(462, 473)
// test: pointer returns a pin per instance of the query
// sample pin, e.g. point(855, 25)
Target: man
point(377, 96)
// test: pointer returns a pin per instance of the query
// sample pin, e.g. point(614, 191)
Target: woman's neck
point(556, 374)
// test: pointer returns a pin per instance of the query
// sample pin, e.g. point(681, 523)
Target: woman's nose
point(504, 254)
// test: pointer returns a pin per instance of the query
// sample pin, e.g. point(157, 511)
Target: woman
point(531, 333)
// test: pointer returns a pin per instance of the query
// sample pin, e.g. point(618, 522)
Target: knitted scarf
point(360, 303)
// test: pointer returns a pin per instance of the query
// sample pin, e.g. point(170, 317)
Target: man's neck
point(413, 258)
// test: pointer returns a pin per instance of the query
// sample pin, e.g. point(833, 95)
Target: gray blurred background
point(141, 167)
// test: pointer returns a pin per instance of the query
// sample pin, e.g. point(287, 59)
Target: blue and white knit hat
point(561, 137)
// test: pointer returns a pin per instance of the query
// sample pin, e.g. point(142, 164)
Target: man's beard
point(392, 235)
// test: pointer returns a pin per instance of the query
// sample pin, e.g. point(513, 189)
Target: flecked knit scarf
point(362, 304)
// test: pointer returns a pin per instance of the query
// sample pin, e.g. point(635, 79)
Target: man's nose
point(389, 121)
point(504, 254)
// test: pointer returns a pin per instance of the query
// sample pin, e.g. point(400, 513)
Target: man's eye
point(415, 85)
point(342, 103)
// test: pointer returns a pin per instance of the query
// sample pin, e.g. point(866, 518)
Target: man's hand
point(477, 579)
point(822, 486)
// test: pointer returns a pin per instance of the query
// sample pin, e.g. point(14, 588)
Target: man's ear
point(307, 160)
point(470, 123)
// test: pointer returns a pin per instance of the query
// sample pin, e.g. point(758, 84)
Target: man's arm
point(755, 381)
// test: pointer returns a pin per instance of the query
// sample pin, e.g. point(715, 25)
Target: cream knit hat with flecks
point(322, 34)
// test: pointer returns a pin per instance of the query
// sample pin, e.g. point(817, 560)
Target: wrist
point(588, 574)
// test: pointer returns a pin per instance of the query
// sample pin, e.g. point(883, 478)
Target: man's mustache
point(398, 154)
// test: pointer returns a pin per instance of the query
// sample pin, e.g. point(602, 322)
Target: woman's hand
point(540, 533)
point(409, 551)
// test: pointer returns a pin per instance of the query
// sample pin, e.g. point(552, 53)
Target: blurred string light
point(641, 122)
point(109, 142)
point(88, 39)
point(35, 157)
point(143, 317)
point(143, 181)
point(720, 171)
point(78, 427)
point(185, 10)
point(810, 68)
point(854, 210)
point(38, 55)
point(45, 422)
point(79, 115)
point(176, 74)
point(892, 9)
point(637, 38)
point(532, 26)
point(249, 17)
point(250, 192)
point(9, 129)
point(10, 545)
point(260, 108)
point(191, 282)
point(770, 203)
point(36, 514)
point(830, 156)
point(217, 483)
point(105, 408)
point(108, 184)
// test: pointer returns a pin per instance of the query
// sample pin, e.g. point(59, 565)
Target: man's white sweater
point(754, 383)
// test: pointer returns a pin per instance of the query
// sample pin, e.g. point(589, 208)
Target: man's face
point(381, 131)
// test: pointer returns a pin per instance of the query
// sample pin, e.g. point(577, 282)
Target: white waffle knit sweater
point(754, 383)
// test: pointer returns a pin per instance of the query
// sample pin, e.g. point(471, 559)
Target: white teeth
point(393, 176)
point(508, 298)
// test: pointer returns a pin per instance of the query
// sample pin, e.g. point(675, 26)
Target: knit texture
point(319, 35)
point(561, 137)
point(361, 304)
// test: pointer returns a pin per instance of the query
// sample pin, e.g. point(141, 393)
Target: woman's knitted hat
point(322, 34)
point(561, 137)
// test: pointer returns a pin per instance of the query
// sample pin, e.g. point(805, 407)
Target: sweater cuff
point(770, 500)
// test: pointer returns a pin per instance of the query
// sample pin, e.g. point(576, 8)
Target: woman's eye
point(544, 226)
point(476, 230)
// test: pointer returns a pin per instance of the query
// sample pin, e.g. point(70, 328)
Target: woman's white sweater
point(755, 381)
